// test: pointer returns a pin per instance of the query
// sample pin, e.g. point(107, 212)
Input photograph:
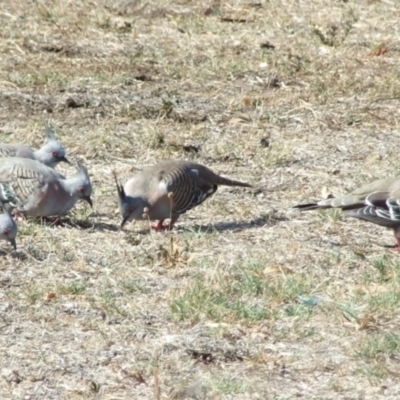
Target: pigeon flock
point(30, 186)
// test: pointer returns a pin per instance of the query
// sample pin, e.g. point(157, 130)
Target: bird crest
point(120, 189)
point(50, 133)
point(81, 168)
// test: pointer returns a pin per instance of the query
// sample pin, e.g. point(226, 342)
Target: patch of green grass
point(110, 304)
point(388, 301)
point(333, 214)
point(382, 265)
point(377, 371)
point(289, 288)
point(68, 256)
point(250, 312)
point(386, 269)
point(153, 138)
point(334, 35)
point(230, 385)
point(197, 302)
point(244, 294)
point(351, 310)
point(133, 286)
point(200, 301)
point(250, 277)
point(29, 230)
point(379, 346)
point(35, 252)
point(83, 212)
point(367, 276)
point(194, 234)
point(297, 310)
point(33, 293)
point(74, 288)
point(278, 155)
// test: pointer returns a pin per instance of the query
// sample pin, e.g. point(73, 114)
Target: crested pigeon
point(377, 202)
point(167, 190)
point(50, 154)
point(8, 227)
point(37, 190)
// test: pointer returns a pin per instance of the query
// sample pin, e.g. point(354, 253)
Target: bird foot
point(19, 216)
point(52, 220)
point(396, 248)
point(161, 227)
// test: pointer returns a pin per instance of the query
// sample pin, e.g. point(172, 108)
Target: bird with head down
point(50, 154)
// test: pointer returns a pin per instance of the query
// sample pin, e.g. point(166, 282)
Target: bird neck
point(72, 185)
point(43, 157)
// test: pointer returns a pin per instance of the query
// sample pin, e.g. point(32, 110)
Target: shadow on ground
point(220, 226)
point(73, 223)
point(237, 225)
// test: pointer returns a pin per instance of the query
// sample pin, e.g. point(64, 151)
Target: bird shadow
point(17, 254)
point(235, 226)
point(393, 247)
point(67, 222)
point(87, 224)
point(221, 226)
point(324, 243)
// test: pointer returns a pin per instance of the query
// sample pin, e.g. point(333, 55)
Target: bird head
point(84, 185)
point(52, 152)
point(129, 207)
point(8, 227)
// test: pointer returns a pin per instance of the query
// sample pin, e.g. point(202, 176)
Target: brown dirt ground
point(299, 98)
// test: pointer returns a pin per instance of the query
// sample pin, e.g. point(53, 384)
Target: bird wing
point(7, 151)
point(187, 187)
point(19, 182)
point(356, 199)
point(382, 208)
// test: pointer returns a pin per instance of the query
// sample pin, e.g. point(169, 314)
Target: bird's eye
point(6, 231)
point(54, 154)
point(82, 189)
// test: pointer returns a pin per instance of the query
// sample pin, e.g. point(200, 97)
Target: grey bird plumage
point(8, 227)
point(167, 190)
point(50, 154)
point(34, 189)
point(377, 202)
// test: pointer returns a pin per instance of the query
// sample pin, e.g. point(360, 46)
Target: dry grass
point(246, 298)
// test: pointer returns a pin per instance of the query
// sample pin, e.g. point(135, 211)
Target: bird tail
point(310, 206)
point(230, 182)
point(329, 203)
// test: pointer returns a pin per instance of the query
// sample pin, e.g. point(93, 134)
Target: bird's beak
point(65, 159)
point(89, 200)
point(13, 243)
point(123, 222)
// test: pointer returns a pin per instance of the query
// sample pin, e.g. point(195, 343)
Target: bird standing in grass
point(33, 189)
point(50, 154)
point(8, 227)
point(167, 190)
point(377, 202)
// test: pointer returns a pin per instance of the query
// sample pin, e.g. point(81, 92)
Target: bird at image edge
point(50, 154)
point(33, 189)
point(8, 227)
point(377, 202)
